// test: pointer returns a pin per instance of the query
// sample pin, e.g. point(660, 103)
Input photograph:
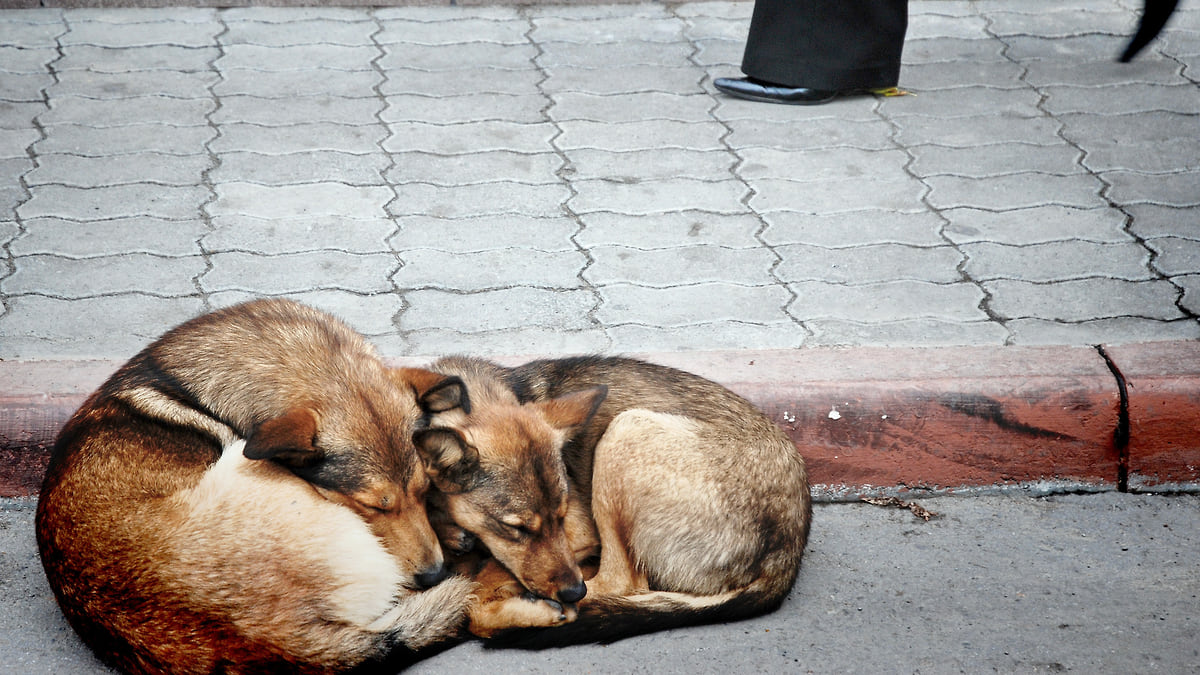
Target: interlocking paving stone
point(819, 133)
point(659, 196)
point(97, 113)
point(622, 80)
point(299, 272)
point(461, 82)
point(1154, 157)
point(968, 132)
point(903, 194)
point(666, 230)
point(103, 327)
point(505, 32)
point(1060, 23)
point(693, 304)
point(308, 166)
point(630, 107)
point(940, 26)
point(649, 135)
point(950, 50)
point(650, 164)
point(823, 164)
point(61, 277)
point(996, 160)
point(483, 233)
point(115, 201)
point(1101, 331)
point(602, 30)
point(458, 57)
point(613, 54)
point(17, 116)
point(150, 137)
point(491, 269)
point(1015, 191)
point(130, 59)
point(1175, 255)
point(1122, 99)
point(143, 167)
point(970, 102)
point(887, 301)
point(1057, 261)
point(1074, 47)
point(853, 228)
point(911, 332)
point(1159, 220)
point(869, 264)
point(469, 137)
point(319, 199)
point(508, 342)
point(296, 57)
point(444, 110)
point(299, 110)
point(176, 33)
point(138, 234)
point(1102, 73)
point(666, 267)
point(273, 236)
point(508, 308)
point(461, 201)
point(172, 83)
point(13, 142)
point(1173, 189)
point(15, 59)
point(292, 138)
point(296, 83)
point(1034, 225)
point(1084, 299)
point(369, 314)
point(484, 167)
point(722, 335)
point(961, 74)
point(24, 86)
point(316, 31)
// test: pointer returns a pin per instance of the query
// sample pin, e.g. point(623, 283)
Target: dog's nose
point(573, 593)
point(432, 576)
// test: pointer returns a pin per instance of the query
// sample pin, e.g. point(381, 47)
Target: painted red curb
point(866, 420)
point(1164, 412)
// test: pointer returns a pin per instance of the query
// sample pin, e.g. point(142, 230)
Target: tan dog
point(243, 496)
point(697, 504)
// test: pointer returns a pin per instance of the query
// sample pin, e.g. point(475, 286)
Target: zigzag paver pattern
point(510, 180)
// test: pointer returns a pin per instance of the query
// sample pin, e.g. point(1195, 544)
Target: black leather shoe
point(757, 90)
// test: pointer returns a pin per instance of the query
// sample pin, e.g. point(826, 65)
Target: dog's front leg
point(504, 604)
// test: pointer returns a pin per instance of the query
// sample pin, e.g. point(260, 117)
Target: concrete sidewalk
point(1103, 583)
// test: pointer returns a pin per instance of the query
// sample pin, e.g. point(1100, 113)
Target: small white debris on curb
point(834, 414)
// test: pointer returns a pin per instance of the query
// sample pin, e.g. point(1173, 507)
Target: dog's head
point(500, 475)
point(355, 448)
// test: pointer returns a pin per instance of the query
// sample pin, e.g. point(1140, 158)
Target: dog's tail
point(608, 618)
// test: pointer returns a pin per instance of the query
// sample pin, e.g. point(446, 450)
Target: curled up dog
point(695, 503)
point(244, 496)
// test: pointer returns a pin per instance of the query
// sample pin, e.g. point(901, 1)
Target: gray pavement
point(550, 179)
point(502, 180)
point(1105, 583)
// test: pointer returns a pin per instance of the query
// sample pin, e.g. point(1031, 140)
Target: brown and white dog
point(244, 496)
point(696, 504)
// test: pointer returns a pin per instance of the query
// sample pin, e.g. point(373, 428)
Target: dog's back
point(171, 550)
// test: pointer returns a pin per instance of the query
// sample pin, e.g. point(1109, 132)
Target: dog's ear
point(289, 439)
point(573, 410)
point(449, 459)
point(435, 392)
